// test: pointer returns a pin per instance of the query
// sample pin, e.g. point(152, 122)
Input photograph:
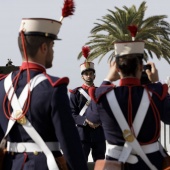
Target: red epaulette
point(93, 94)
point(64, 80)
point(74, 90)
point(164, 92)
point(71, 91)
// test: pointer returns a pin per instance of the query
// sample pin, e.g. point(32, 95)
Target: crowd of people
point(42, 127)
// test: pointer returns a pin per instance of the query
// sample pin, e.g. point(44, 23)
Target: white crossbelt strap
point(116, 110)
point(137, 123)
point(17, 105)
point(115, 151)
point(88, 100)
point(37, 139)
point(7, 85)
point(141, 113)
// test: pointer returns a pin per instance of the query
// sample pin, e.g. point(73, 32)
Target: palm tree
point(154, 30)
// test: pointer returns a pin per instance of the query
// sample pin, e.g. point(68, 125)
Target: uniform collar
point(32, 66)
point(130, 81)
point(86, 87)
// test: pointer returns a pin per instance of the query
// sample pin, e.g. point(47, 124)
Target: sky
point(74, 32)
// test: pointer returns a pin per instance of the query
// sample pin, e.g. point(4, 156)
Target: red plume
point(85, 51)
point(68, 8)
point(133, 30)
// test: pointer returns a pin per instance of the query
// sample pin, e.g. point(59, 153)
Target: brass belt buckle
point(23, 119)
point(128, 136)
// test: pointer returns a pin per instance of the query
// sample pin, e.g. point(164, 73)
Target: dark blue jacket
point(50, 114)
point(129, 95)
point(77, 101)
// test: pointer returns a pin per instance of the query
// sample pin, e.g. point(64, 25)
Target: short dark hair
point(128, 63)
point(32, 43)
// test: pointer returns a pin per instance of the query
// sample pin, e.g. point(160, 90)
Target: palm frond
point(112, 27)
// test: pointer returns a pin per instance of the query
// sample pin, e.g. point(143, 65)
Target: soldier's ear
point(44, 48)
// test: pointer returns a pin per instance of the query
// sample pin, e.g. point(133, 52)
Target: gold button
point(128, 136)
point(35, 153)
point(18, 113)
point(22, 121)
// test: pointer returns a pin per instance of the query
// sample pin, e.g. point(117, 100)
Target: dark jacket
point(77, 102)
point(129, 95)
point(50, 114)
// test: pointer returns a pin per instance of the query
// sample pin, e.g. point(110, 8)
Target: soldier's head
point(129, 57)
point(36, 36)
point(87, 72)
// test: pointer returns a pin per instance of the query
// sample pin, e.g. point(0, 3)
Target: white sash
point(17, 105)
point(88, 101)
point(138, 121)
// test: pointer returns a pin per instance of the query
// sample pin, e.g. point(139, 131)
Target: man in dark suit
point(35, 114)
point(91, 135)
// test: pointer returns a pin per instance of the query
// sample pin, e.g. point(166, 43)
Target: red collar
point(129, 82)
point(32, 66)
point(86, 87)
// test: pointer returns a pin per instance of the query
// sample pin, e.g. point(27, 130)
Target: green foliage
point(154, 30)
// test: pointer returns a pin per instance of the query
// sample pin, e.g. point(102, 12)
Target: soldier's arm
point(75, 110)
point(66, 130)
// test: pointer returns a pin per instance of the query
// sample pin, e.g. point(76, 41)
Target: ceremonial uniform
point(35, 114)
point(92, 138)
point(130, 115)
point(50, 117)
point(149, 132)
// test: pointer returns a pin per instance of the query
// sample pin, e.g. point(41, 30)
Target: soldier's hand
point(153, 74)
point(113, 74)
point(91, 124)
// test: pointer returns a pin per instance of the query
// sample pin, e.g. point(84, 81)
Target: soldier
point(91, 135)
point(131, 113)
point(35, 115)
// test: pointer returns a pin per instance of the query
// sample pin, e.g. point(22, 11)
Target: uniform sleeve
point(92, 113)
point(75, 110)
point(165, 117)
point(106, 82)
point(66, 130)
